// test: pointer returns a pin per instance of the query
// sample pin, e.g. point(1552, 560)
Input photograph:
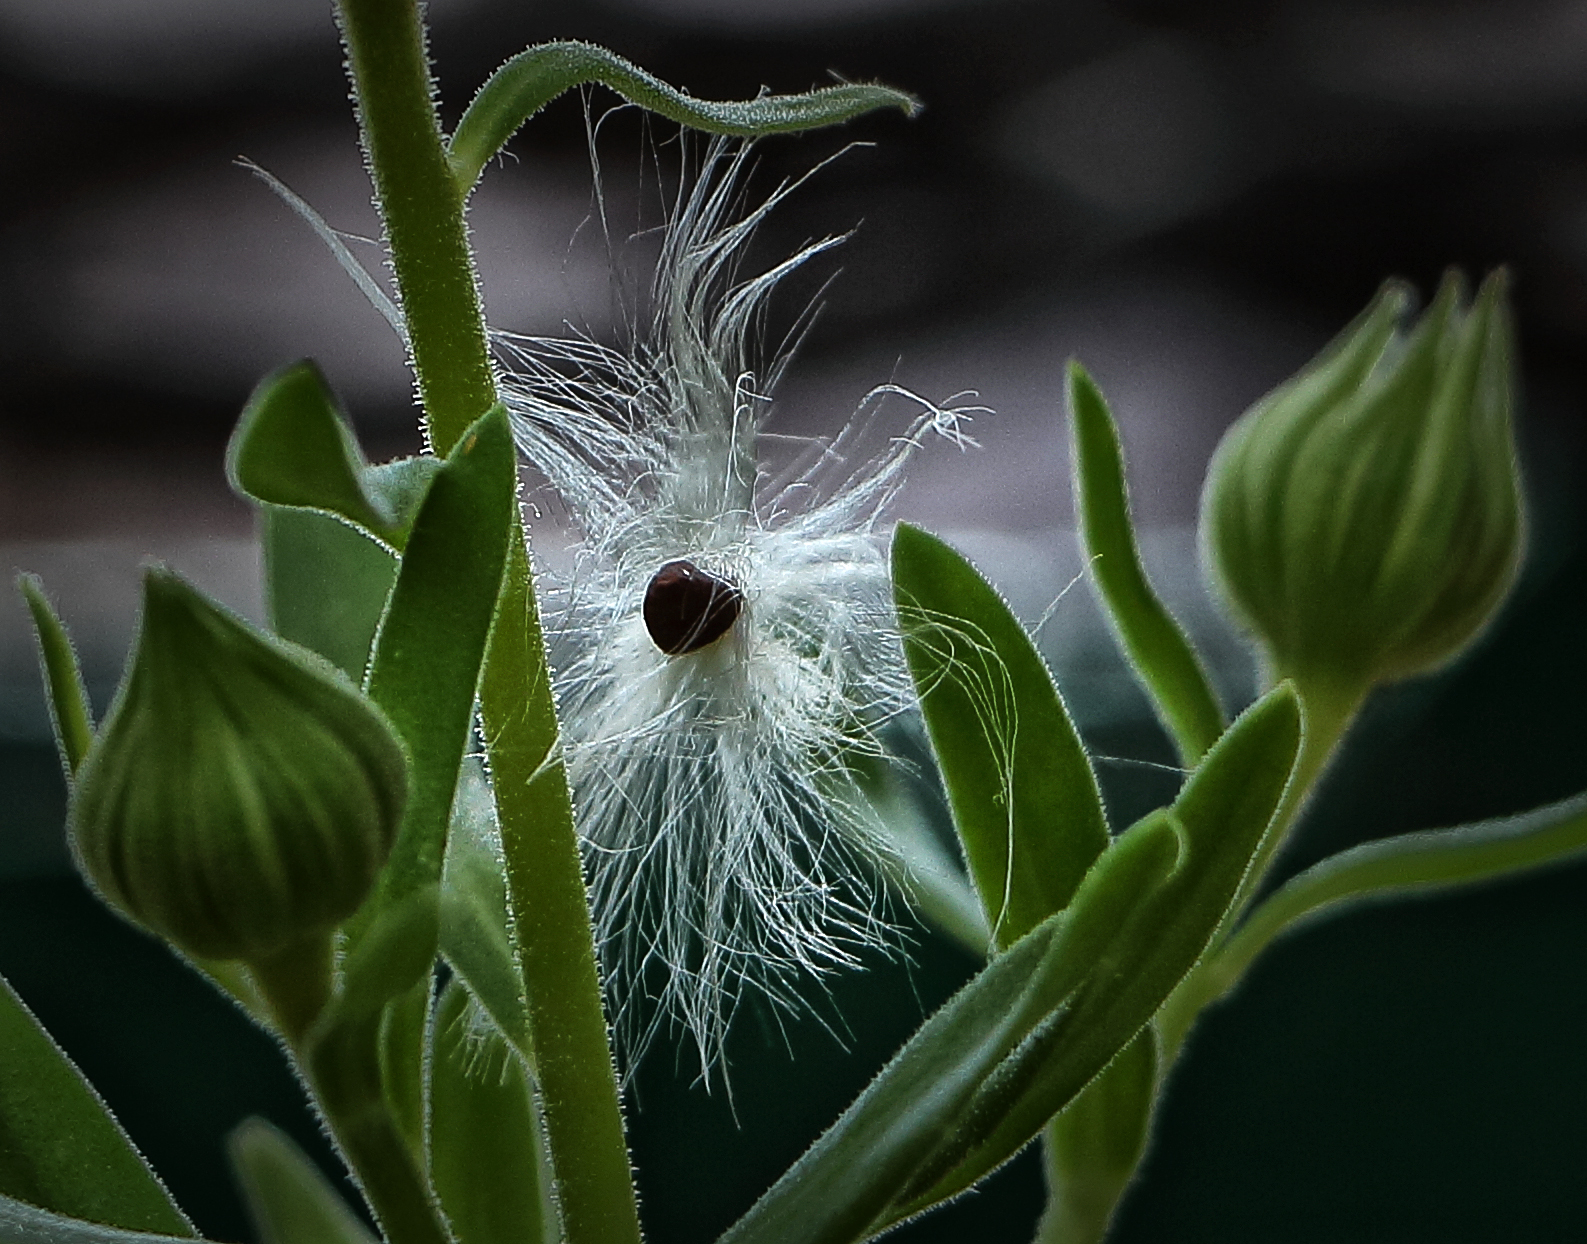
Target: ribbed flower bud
point(241, 795)
point(1365, 519)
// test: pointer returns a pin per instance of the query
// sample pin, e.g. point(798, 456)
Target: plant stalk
point(423, 215)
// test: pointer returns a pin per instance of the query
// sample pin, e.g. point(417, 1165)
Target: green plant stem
point(423, 214)
point(1328, 707)
point(296, 985)
point(342, 1069)
point(339, 1063)
point(551, 921)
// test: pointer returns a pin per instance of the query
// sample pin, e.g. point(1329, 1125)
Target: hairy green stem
point(339, 1063)
point(296, 985)
point(551, 921)
point(423, 215)
point(342, 1068)
point(1328, 706)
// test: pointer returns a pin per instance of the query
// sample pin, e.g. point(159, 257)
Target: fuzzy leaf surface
point(1095, 1143)
point(293, 446)
point(428, 653)
point(483, 1138)
point(1142, 943)
point(289, 1200)
point(1024, 799)
point(476, 937)
point(1159, 652)
point(326, 584)
point(536, 76)
point(70, 715)
point(60, 1147)
point(940, 1083)
point(21, 1223)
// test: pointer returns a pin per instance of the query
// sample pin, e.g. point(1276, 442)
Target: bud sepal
point(242, 795)
point(1365, 520)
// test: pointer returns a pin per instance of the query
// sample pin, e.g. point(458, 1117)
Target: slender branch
point(422, 213)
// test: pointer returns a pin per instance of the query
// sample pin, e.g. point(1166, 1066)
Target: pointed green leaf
point(1432, 860)
point(289, 1200)
point(533, 78)
point(1092, 1148)
point(484, 1140)
point(21, 1223)
point(403, 1022)
point(70, 715)
point(476, 936)
point(1158, 650)
point(293, 446)
point(1024, 798)
point(928, 1095)
point(326, 584)
point(1221, 818)
point(428, 653)
point(60, 1148)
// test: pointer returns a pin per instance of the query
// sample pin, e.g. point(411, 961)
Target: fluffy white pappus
point(728, 844)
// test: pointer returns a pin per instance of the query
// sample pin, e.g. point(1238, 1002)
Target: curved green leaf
point(476, 936)
point(1161, 655)
point(60, 1148)
point(293, 446)
point(21, 1223)
point(1438, 859)
point(1024, 798)
point(289, 1200)
point(432, 641)
point(1221, 819)
point(936, 1088)
point(70, 715)
point(326, 584)
point(533, 78)
point(484, 1140)
point(1092, 1148)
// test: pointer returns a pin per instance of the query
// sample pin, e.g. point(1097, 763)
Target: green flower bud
point(1365, 519)
point(242, 795)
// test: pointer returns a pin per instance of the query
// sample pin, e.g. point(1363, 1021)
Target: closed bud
point(242, 795)
point(1365, 519)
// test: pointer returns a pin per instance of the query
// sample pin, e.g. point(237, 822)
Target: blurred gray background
point(1189, 197)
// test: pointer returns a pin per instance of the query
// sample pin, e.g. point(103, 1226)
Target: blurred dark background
point(1191, 197)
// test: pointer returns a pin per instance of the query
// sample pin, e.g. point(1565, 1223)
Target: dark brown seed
point(687, 608)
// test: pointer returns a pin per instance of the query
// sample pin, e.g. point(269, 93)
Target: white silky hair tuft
point(729, 846)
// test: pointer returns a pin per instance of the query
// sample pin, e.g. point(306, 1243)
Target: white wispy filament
point(726, 841)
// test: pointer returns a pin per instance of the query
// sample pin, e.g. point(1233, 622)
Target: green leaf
point(484, 1135)
point(289, 1200)
point(476, 936)
point(70, 715)
point(326, 584)
point(294, 447)
point(432, 641)
point(841, 1189)
point(920, 866)
point(21, 1223)
point(1024, 798)
point(533, 78)
point(1159, 652)
point(403, 1022)
point(60, 1148)
point(1141, 944)
point(1431, 860)
point(1092, 1148)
